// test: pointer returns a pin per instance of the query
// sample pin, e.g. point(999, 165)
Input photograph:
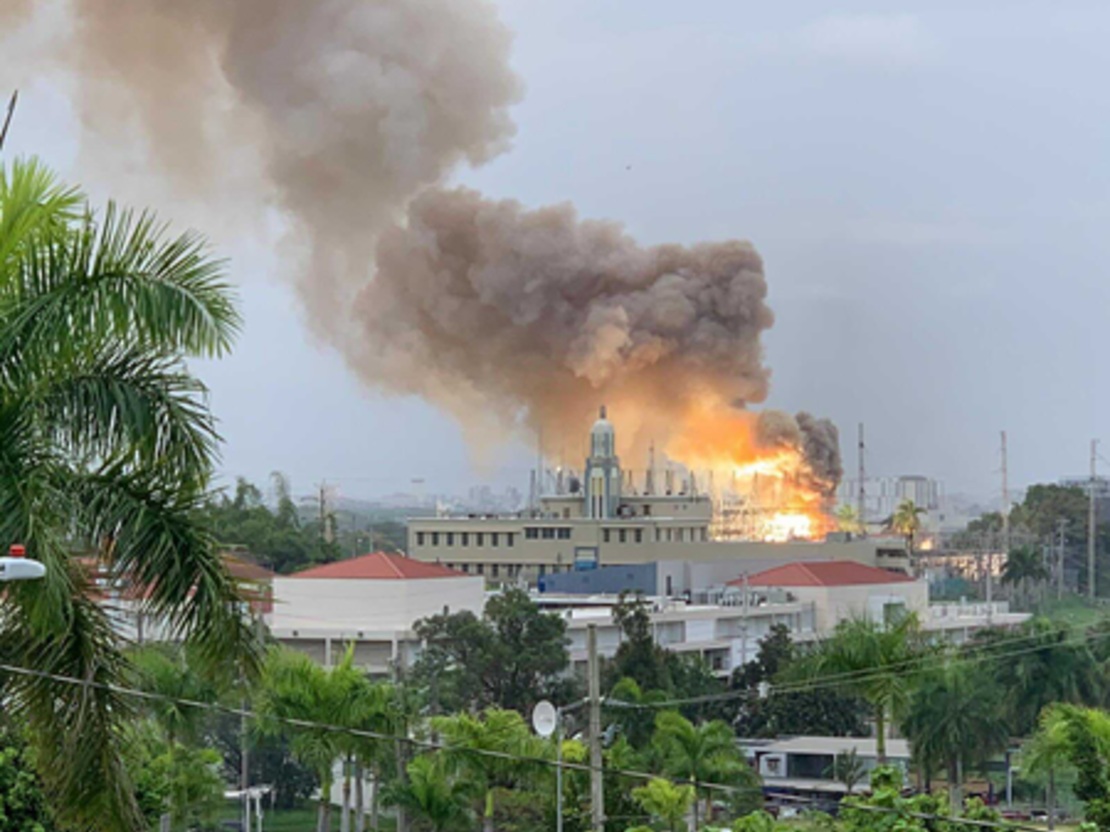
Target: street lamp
point(18, 567)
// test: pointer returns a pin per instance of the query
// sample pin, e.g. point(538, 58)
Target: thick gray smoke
point(355, 114)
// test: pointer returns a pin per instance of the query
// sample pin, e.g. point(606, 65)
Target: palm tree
point(1081, 737)
point(435, 792)
point(296, 688)
point(494, 730)
point(666, 801)
point(907, 522)
point(1024, 564)
point(848, 768)
point(108, 446)
point(848, 519)
point(705, 753)
point(873, 661)
point(1046, 754)
point(1051, 667)
point(955, 719)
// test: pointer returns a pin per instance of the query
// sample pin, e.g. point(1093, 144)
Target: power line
point(987, 652)
point(480, 752)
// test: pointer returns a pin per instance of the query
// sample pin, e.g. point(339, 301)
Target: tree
point(955, 719)
point(1082, 736)
point(814, 712)
point(23, 803)
point(848, 519)
point(907, 522)
point(638, 657)
point(510, 658)
point(666, 801)
point(108, 449)
point(848, 768)
point(705, 753)
point(1045, 506)
point(1024, 564)
point(495, 730)
point(1050, 667)
point(436, 793)
point(1045, 756)
point(296, 688)
point(873, 661)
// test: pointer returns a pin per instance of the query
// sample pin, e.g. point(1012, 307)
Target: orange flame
point(762, 488)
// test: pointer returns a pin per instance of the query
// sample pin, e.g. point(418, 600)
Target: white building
point(370, 602)
point(724, 624)
point(805, 764)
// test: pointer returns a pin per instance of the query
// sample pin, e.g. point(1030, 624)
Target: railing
point(973, 609)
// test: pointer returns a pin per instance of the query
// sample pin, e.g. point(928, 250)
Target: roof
point(864, 746)
point(823, 573)
point(379, 566)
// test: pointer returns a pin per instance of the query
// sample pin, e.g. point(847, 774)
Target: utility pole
point(1091, 522)
point(649, 480)
point(1061, 526)
point(1005, 499)
point(861, 497)
point(597, 792)
point(401, 745)
point(8, 118)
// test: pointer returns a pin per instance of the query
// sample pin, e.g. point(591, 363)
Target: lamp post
point(18, 567)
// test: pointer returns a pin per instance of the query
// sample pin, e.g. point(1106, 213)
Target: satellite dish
point(544, 718)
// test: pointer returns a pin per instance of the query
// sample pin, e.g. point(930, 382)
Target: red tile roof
point(379, 566)
point(823, 573)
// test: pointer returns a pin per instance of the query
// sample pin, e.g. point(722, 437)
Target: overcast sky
point(927, 183)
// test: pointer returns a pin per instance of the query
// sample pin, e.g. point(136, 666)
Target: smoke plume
point(356, 113)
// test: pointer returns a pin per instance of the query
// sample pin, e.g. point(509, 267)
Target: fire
point(762, 486)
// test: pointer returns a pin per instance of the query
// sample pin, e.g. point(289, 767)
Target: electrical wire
point(985, 653)
point(480, 752)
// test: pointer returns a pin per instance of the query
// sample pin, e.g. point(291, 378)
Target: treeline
point(287, 538)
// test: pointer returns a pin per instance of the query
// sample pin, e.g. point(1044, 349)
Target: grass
point(1074, 611)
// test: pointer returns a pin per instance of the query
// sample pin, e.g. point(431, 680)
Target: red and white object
point(18, 567)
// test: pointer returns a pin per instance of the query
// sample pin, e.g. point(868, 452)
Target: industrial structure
point(604, 519)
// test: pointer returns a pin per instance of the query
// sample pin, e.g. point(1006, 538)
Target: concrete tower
point(603, 471)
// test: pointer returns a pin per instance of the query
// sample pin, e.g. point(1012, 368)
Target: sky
point(926, 182)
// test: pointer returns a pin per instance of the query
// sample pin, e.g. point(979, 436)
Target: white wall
point(834, 604)
point(347, 606)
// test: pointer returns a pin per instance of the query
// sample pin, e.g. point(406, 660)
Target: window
point(493, 571)
point(564, 534)
point(549, 534)
point(509, 539)
point(605, 535)
point(566, 513)
point(481, 569)
point(450, 538)
point(658, 534)
point(543, 570)
point(531, 533)
point(420, 538)
point(466, 568)
point(681, 534)
point(464, 539)
point(670, 586)
point(639, 535)
point(435, 538)
point(622, 536)
point(478, 538)
point(647, 510)
point(493, 538)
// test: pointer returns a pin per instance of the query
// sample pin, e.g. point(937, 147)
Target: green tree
point(1046, 756)
point(848, 519)
point(296, 688)
point(638, 657)
point(848, 768)
point(906, 521)
point(1045, 506)
point(705, 753)
point(824, 712)
point(1024, 565)
point(872, 661)
point(108, 447)
point(23, 803)
point(435, 792)
point(1082, 736)
point(955, 719)
point(494, 730)
point(510, 658)
point(667, 802)
point(1049, 667)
